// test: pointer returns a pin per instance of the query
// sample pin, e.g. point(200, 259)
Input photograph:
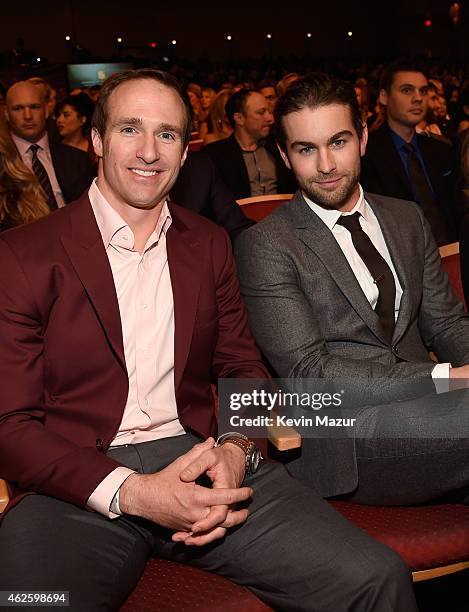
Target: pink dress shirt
point(145, 297)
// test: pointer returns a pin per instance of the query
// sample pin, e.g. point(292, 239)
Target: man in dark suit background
point(403, 164)
point(248, 161)
point(63, 172)
point(199, 187)
point(342, 284)
point(116, 315)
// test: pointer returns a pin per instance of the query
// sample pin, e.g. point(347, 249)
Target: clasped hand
point(171, 497)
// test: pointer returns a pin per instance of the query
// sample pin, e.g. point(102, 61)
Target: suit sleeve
point(32, 457)
point(288, 332)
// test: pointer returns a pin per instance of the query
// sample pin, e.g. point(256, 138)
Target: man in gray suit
point(342, 283)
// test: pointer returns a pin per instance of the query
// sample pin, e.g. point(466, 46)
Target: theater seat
point(450, 259)
point(433, 540)
point(170, 586)
point(259, 207)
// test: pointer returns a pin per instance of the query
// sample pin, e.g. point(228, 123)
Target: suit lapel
point(86, 252)
point(313, 232)
point(394, 167)
point(184, 259)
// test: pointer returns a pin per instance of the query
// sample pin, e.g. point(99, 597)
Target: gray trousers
point(294, 551)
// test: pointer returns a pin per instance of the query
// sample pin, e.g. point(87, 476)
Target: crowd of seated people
point(444, 117)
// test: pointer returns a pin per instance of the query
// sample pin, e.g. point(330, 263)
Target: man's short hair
point(401, 65)
point(313, 91)
point(236, 103)
point(100, 115)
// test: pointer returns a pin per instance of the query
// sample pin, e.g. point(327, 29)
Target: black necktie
point(379, 270)
point(42, 177)
point(424, 195)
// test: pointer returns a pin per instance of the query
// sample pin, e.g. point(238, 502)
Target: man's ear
point(284, 157)
point(97, 142)
point(363, 140)
point(383, 97)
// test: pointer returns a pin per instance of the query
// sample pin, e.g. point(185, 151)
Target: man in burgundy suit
point(117, 313)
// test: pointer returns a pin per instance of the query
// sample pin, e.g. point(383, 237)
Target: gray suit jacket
point(311, 319)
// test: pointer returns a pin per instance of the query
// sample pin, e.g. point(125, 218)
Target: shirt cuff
point(440, 375)
point(101, 498)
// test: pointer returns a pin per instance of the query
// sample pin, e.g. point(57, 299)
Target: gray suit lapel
point(312, 231)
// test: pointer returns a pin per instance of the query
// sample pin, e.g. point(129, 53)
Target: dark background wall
point(380, 29)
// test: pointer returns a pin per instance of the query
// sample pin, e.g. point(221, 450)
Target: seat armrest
point(4, 496)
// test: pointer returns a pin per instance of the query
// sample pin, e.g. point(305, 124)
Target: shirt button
point(125, 237)
point(146, 401)
point(145, 305)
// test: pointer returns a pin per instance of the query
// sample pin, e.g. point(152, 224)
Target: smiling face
point(323, 150)
point(142, 149)
point(407, 99)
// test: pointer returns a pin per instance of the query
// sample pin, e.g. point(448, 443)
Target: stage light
point(119, 39)
point(174, 41)
point(228, 37)
point(309, 34)
point(38, 59)
point(269, 36)
point(349, 33)
point(67, 38)
point(428, 23)
point(153, 44)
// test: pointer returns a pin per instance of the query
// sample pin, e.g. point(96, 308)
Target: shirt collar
point(400, 143)
point(111, 224)
point(330, 216)
point(23, 145)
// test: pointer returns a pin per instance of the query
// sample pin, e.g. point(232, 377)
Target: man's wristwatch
point(253, 454)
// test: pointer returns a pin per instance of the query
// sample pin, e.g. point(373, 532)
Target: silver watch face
point(254, 460)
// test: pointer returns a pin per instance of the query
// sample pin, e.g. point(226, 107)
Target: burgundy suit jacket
point(63, 377)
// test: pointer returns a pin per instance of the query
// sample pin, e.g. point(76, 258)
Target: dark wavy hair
point(312, 91)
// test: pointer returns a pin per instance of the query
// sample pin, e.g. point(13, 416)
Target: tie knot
point(34, 148)
point(351, 222)
point(409, 148)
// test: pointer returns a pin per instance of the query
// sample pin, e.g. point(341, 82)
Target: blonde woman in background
point(219, 127)
point(21, 197)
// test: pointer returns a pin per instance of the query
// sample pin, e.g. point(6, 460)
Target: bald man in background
point(64, 172)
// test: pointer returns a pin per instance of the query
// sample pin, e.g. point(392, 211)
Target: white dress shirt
point(371, 227)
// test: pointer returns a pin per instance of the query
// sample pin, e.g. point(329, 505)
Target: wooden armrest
point(283, 437)
point(4, 497)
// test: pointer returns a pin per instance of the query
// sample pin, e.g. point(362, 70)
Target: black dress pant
point(295, 552)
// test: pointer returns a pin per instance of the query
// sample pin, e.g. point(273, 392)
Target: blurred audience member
point(50, 98)
point(21, 197)
point(74, 121)
point(248, 161)
point(286, 81)
point(195, 96)
point(402, 164)
point(267, 89)
point(218, 124)
point(63, 172)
